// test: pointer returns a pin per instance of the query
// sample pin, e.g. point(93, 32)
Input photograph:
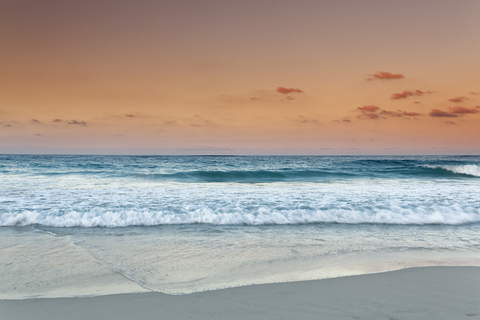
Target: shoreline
point(438, 292)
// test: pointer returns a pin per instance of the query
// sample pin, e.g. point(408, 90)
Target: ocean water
point(92, 225)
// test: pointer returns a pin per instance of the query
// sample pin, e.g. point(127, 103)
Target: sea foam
point(447, 215)
point(467, 169)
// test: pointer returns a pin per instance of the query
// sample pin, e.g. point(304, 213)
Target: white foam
point(469, 169)
point(448, 215)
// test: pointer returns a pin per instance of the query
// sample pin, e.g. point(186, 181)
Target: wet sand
point(415, 293)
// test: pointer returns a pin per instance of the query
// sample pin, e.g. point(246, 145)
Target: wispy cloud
point(384, 75)
point(474, 93)
point(458, 99)
point(372, 116)
point(57, 120)
point(130, 116)
point(441, 114)
point(305, 119)
point(449, 122)
point(77, 122)
point(374, 112)
point(35, 121)
point(408, 93)
point(344, 119)
point(463, 110)
point(169, 122)
point(288, 90)
point(368, 108)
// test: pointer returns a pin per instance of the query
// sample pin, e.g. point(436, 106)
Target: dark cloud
point(408, 93)
point(368, 108)
point(35, 121)
point(474, 93)
point(57, 120)
point(80, 123)
point(288, 90)
point(463, 110)
point(458, 99)
point(130, 116)
point(384, 76)
point(441, 114)
point(38, 134)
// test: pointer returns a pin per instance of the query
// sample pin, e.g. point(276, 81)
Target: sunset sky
point(240, 77)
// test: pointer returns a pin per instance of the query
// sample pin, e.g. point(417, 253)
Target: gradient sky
point(240, 77)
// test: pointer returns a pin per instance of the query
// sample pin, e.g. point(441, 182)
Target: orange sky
point(240, 77)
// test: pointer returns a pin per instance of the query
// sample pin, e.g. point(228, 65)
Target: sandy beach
point(414, 293)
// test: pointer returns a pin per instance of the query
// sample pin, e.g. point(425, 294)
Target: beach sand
point(415, 293)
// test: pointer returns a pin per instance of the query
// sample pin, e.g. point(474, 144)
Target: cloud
point(305, 119)
point(391, 113)
point(344, 119)
point(408, 93)
point(37, 134)
point(130, 116)
point(458, 99)
point(57, 120)
point(289, 98)
point(169, 122)
point(441, 113)
point(463, 110)
point(411, 114)
point(384, 76)
point(449, 122)
point(80, 123)
point(368, 108)
point(474, 93)
point(35, 121)
point(372, 116)
point(399, 113)
point(256, 99)
point(288, 90)
point(195, 125)
point(370, 112)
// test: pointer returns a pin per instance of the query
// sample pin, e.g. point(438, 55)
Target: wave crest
point(467, 169)
point(447, 215)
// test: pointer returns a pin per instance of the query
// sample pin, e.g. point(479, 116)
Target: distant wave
point(244, 176)
point(447, 215)
point(467, 169)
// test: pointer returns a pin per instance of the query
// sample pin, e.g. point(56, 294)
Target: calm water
point(87, 225)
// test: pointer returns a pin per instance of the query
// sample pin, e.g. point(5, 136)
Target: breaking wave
point(443, 215)
point(467, 169)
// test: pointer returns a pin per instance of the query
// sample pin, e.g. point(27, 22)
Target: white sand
point(415, 293)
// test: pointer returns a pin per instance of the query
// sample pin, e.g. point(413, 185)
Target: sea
point(81, 225)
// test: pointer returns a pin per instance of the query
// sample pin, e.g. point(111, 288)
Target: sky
point(240, 77)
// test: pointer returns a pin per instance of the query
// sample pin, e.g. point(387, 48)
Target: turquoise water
point(87, 225)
